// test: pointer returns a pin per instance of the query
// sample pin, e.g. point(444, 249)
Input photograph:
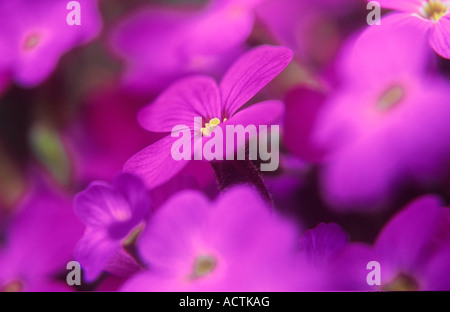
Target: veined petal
point(180, 103)
point(439, 37)
point(250, 73)
point(263, 113)
point(155, 164)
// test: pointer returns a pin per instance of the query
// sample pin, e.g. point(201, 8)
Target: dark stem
point(234, 172)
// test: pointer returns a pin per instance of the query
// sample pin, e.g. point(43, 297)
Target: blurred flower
point(312, 29)
point(160, 44)
point(199, 96)
point(34, 35)
point(431, 15)
point(413, 250)
point(233, 244)
point(39, 241)
point(384, 128)
point(111, 213)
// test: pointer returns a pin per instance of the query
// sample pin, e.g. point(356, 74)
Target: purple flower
point(384, 127)
point(234, 244)
point(39, 240)
point(161, 44)
point(413, 251)
point(34, 35)
point(312, 29)
point(199, 96)
point(431, 16)
point(111, 213)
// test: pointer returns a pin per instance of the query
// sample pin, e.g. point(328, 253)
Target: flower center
point(390, 98)
point(14, 286)
point(434, 10)
point(203, 266)
point(402, 282)
point(211, 125)
point(31, 42)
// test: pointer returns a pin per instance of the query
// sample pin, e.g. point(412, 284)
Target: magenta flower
point(199, 96)
point(39, 241)
point(384, 128)
point(34, 35)
point(431, 16)
point(234, 244)
point(160, 44)
point(111, 213)
point(413, 251)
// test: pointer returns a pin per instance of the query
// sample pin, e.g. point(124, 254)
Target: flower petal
point(134, 190)
point(250, 73)
point(439, 37)
point(185, 99)
point(100, 205)
point(94, 251)
point(410, 6)
point(155, 164)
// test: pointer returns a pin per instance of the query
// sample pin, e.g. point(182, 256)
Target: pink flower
point(234, 244)
point(383, 129)
point(35, 34)
point(199, 96)
point(110, 213)
point(431, 16)
point(413, 250)
point(161, 44)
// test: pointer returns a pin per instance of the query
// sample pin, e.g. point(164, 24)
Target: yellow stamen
point(210, 126)
point(434, 10)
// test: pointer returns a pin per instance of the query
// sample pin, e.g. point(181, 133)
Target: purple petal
point(439, 37)
point(250, 73)
point(155, 164)
point(134, 191)
point(100, 206)
point(317, 246)
point(404, 240)
point(94, 251)
point(410, 6)
point(378, 52)
point(178, 105)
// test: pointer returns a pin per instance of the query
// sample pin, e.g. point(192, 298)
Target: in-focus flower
point(111, 213)
point(431, 16)
point(199, 96)
point(413, 251)
point(384, 128)
point(234, 244)
point(38, 242)
point(34, 35)
point(161, 44)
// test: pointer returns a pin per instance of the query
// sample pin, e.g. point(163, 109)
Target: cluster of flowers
point(365, 151)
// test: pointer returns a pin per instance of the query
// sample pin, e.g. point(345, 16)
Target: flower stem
point(234, 172)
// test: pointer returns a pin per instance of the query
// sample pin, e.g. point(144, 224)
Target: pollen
point(31, 42)
point(211, 125)
point(434, 10)
point(402, 282)
point(203, 265)
point(14, 286)
point(390, 98)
